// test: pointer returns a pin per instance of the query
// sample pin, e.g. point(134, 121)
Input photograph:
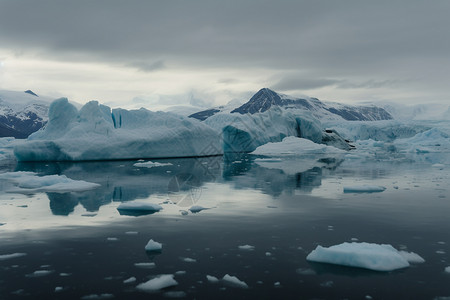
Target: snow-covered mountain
point(265, 98)
point(22, 113)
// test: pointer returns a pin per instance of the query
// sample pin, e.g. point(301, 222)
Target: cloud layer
point(328, 49)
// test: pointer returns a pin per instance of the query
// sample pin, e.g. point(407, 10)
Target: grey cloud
point(290, 83)
point(369, 84)
point(148, 67)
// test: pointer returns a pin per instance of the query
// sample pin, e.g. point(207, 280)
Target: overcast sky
point(146, 53)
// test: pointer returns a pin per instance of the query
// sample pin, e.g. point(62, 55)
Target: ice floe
point(29, 182)
point(377, 257)
point(294, 146)
point(97, 296)
point(158, 283)
point(246, 247)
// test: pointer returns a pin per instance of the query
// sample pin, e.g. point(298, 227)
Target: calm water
point(85, 247)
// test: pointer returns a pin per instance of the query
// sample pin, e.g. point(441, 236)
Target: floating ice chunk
point(412, 257)
point(29, 182)
point(64, 274)
point(362, 255)
point(146, 265)
point(153, 246)
point(58, 289)
point(112, 239)
point(158, 283)
point(212, 279)
point(12, 255)
point(234, 281)
point(97, 296)
point(293, 146)
point(447, 269)
point(130, 280)
point(246, 247)
point(40, 273)
point(131, 232)
point(197, 208)
point(268, 159)
point(364, 189)
point(180, 273)
point(139, 206)
point(150, 164)
point(188, 259)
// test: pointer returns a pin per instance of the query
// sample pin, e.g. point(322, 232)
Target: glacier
point(96, 132)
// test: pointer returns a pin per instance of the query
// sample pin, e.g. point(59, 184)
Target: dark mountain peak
point(31, 93)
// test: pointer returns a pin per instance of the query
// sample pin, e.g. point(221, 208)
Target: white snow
point(12, 255)
point(246, 247)
point(158, 283)
point(294, 146)
point(153, 246)
point(29, 182)
point(97, 133)
point(150, 164)
point(364, 189)
point(377, 257)
point(212, 279)
point(139, 206)
point(234, 281)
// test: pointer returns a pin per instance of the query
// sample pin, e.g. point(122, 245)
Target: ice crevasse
point(96, 132)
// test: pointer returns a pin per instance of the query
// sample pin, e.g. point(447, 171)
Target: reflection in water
point(181, 182)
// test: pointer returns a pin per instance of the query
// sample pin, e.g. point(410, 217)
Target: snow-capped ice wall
point(97, 133)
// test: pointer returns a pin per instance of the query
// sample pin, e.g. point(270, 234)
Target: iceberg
point(377, 257)
point(96, 132)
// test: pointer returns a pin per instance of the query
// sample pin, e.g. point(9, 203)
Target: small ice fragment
point(139, 206)
point(64, 274)
point(327, 284)
point(234, 281)
point(40, 273)
point(99, 296)
point(158, 283)
point(58, 289)
point(180, 273)
point(277, 284)
point(188, 259)
point(150, 164)
point(12, 255)
point(246, 247)
point(447, 269)
point(130, 280)
point(354, 239)
point(147, 265)
point(153, 246)
point(438, 166)
point(212, 279)
point(268, 254)
point(131, 232)
point(112, 239)
point(305, 271)
point(364, 189)
point(197, 208)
